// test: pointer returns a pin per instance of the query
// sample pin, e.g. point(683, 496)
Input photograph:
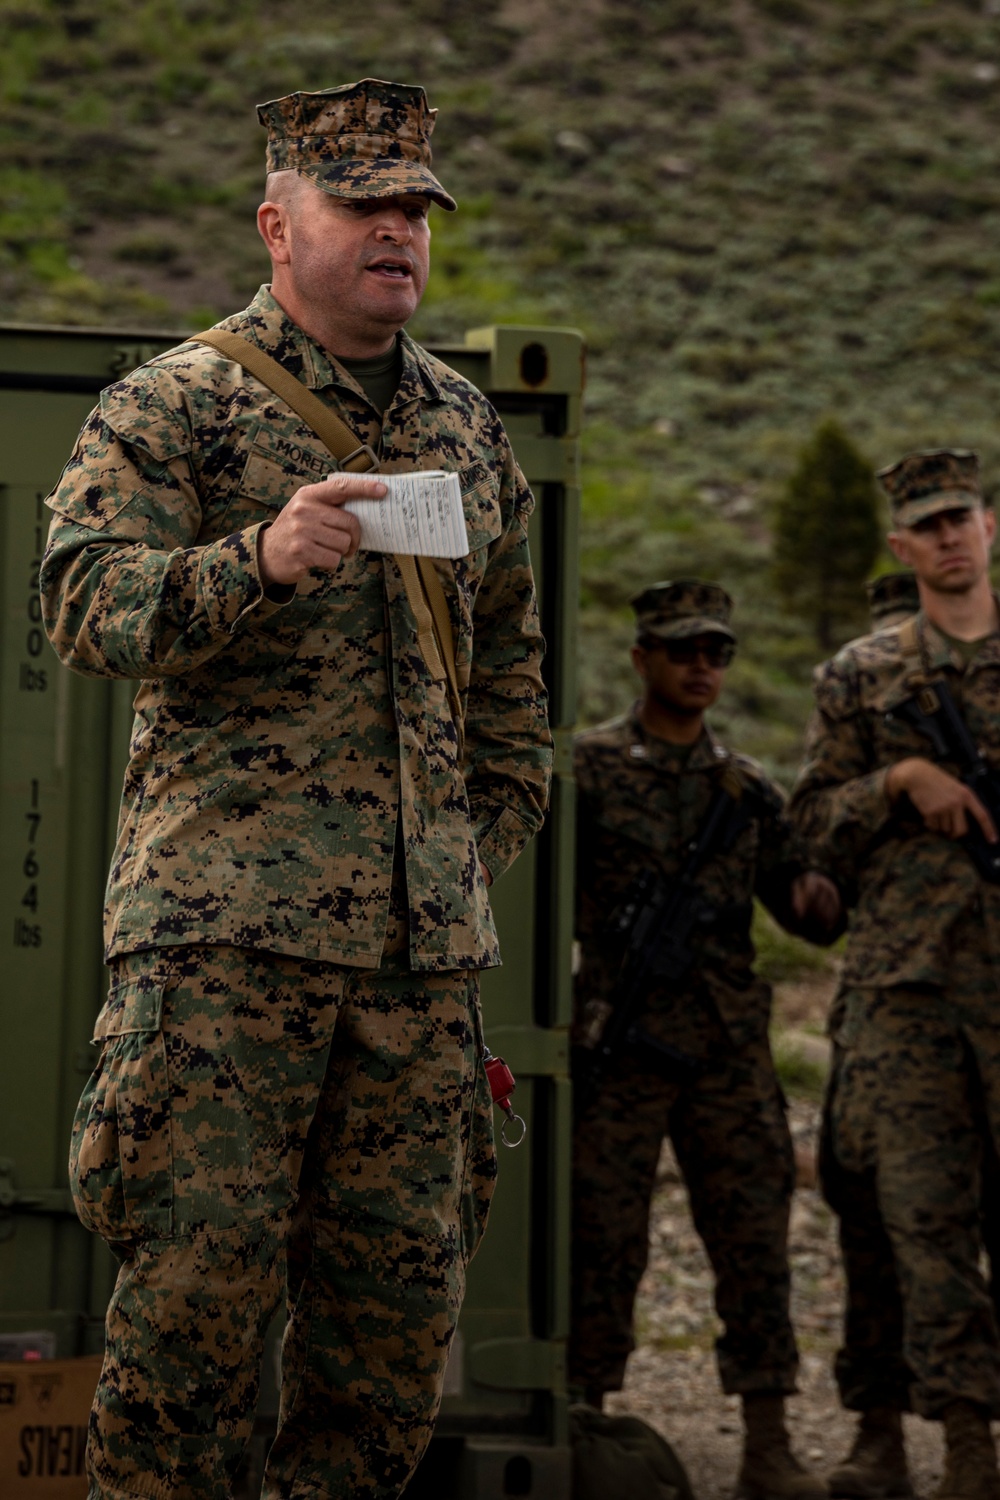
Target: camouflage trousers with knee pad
point(259, 1131)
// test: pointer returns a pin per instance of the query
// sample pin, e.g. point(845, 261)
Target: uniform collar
point(706, 752)
point(273, 330)
point(938, 654)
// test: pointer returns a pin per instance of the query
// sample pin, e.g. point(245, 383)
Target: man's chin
point(955, 581)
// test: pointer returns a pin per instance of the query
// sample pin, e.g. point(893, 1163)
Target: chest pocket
point(268, 482)
point(481, 504)
point(270, 479)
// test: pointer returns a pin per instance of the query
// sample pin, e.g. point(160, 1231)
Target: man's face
point(359, 261)
point(949, 551)
point(684, 676)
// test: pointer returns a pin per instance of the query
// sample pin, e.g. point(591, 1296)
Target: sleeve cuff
point(230, 582)
point(502, 842)
point(871, 801)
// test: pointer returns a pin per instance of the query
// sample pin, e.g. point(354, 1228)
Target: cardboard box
point(44, 1406)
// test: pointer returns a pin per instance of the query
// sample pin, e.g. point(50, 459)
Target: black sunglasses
point(683, 653)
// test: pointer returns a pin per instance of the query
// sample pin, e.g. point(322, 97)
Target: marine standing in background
point(700, 1068)
point(290, 1104)
point(871, 1372)
point(918, 1071)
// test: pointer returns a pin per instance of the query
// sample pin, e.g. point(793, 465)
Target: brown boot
point(971, 1470)
point(876, 1468)
point(770, 1470)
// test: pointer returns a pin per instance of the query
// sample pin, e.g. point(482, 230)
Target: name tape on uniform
point(421, 514)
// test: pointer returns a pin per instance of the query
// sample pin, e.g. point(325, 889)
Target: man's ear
point(274, 229)
point(639, 661)
point(990, 522)
point(899, 547)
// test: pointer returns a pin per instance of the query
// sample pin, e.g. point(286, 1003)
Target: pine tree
point(827, 533)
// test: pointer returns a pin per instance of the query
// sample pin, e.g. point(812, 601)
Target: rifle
point(933, 711)
point(657, 920)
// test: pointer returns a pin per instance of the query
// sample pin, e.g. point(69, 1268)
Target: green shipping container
point(63, 742)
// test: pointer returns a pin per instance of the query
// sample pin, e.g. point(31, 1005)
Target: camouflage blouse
point(278, 745)
point(639, 807)
point(919, 898)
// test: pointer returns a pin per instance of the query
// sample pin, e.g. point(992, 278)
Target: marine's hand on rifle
point(944, 802)
point(816, 905)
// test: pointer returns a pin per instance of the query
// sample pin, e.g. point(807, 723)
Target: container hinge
point(57, 1202)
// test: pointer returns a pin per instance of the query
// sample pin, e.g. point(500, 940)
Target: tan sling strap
point(909, 644)
point(420, 580)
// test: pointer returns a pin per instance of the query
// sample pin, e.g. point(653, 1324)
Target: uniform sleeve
point(784, 855)
point(838, 804)
point(508, 744)
point(781, 856)
point(127, 591)
point(585, 923)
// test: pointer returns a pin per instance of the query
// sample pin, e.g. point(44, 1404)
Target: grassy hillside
point(759, 211)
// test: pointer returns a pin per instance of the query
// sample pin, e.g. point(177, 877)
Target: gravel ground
point(671, 1379)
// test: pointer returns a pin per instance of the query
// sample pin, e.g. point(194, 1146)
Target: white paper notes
point(421, 514)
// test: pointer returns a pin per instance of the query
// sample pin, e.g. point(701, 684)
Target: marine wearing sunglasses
point(682, 677)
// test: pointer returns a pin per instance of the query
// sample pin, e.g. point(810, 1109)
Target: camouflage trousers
point(731, 1139)
point(264, 1130)
point(869, 1367)
point(910, 1149)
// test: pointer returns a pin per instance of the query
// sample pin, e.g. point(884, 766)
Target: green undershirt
point(677, 755)
point(964, 649)
point(378, 377)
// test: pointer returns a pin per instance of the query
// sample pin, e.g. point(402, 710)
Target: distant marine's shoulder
point(844, 682)
point(878, 646)
point(754, 779)
point(610, 735)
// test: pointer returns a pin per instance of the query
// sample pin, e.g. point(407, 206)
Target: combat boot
point(876, 1468)
point(971, 1470)
point(770, 1470)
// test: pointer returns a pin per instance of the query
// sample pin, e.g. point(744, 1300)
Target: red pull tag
point(502, 1085)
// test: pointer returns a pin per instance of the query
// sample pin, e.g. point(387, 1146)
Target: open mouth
point(395, 269)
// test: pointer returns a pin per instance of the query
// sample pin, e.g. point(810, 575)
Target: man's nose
point(394, 225)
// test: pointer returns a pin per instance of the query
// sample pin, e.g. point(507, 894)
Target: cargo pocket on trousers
point(121, 1162)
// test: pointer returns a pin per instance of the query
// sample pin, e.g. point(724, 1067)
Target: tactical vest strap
point(420, 579)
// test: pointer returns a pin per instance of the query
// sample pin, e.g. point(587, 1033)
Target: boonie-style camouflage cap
point(359, 140)
point(684, 607)
point(922, 484)
point(892, 597)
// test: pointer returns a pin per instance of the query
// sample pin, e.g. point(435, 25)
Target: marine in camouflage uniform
point(645, 782)
point(290, 1103)
point(917, 1044)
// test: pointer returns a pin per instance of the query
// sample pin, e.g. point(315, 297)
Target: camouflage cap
point(892, 597)
point(360, 140)
point(922, 484)
point(683, 607)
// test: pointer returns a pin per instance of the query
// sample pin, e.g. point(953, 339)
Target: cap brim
point(932, 505)
point(378, 179)
point(679, 630)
